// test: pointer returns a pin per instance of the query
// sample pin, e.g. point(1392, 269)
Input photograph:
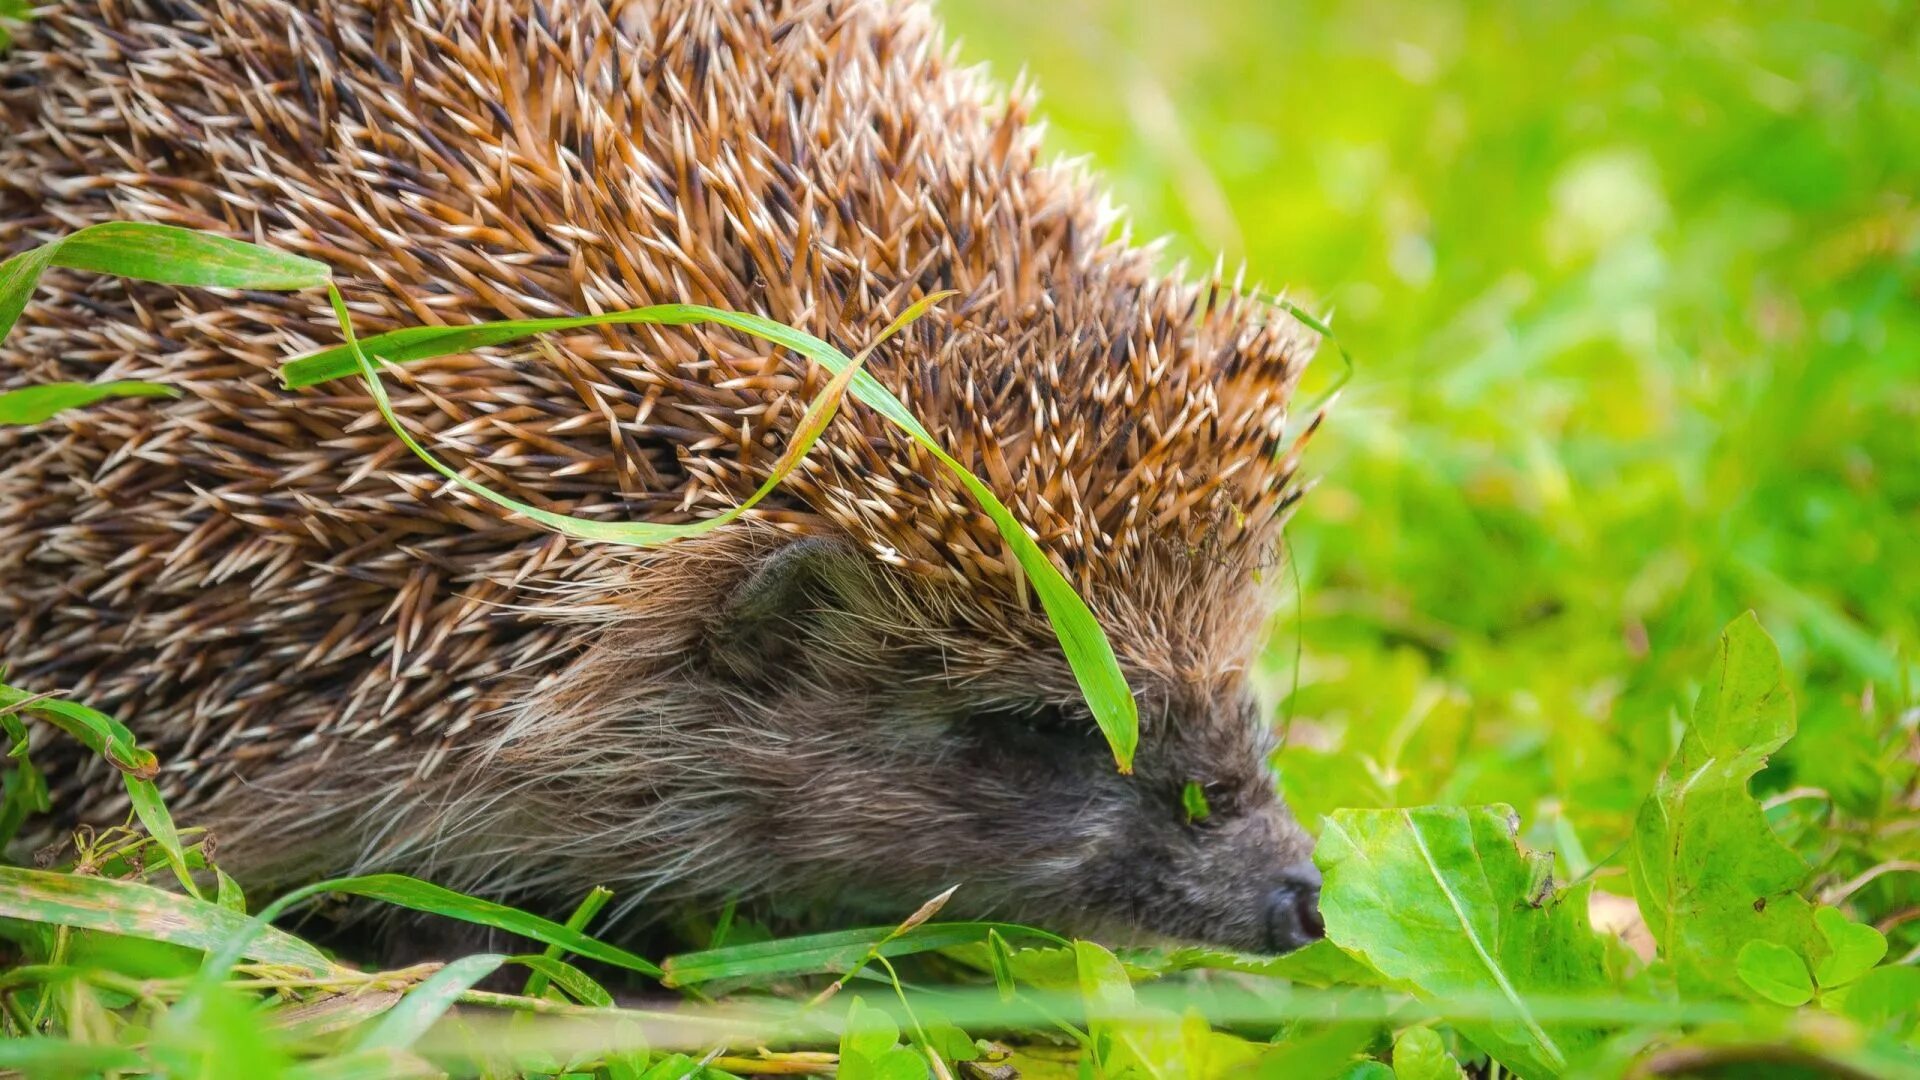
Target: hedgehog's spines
point(277, 554)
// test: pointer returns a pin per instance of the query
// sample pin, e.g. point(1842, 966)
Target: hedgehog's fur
point(345, 663)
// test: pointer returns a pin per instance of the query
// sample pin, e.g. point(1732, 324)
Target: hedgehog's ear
point(795, 598)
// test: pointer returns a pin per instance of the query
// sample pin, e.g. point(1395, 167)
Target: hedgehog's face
point(897, 763)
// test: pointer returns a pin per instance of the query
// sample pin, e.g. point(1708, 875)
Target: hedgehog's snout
point(1293, 909)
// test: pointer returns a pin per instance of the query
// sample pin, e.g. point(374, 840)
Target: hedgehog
point(848, 701)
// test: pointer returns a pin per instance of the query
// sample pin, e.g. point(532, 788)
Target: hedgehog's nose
point(1293, 909)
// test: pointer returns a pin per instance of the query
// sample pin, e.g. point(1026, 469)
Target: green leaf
point(1193, 800)
point(402, 891)
point(1319, 1050)
point(1419, 1053)
point(110, 739)
point(870, 1050)
point(37, 1056)
point(161, 253)
point(1852, 949)
point(583, 914)
point(229, 895)
point(1000, 962)
point(174, 256)
point(1085, 644)
point(426, 1003)
point(1321, 963)
point(1437, 898)
point(1107, 992)
point(832, 952)
point(578, 985)
point(1708, 873)
point(1775, 972)
point(32, 404)
point(417, 895)
point(1886, 997)
point(142, 911)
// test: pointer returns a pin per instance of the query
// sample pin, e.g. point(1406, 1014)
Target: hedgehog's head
point(895, 747)
point(872, 710)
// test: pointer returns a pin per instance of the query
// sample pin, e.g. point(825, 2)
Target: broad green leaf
point(1419, 1053)
point(1316, 1050)
point(831, 952)
point(1886, 997)
point(1775, 972)
point(162, 253)
point(1106, 991)
point(1709, 874)
point(32, 404)
point(870, 1050)
point(1437, 899)
point(1085, 644)
point(401, 1026)
point(142, 911)
point(1852, 948)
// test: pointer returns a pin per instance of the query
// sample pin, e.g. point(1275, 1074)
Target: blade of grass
point(926, 911)
point(38, 1056)
point(590, 906)
point(137, 766)
point(577, 984)
point(1090, 654)
point(836, 952)
point(406, 892)
point(32, 404)
point(401, 1026)
point(638, 533)
point(161, 253)
point(134, 910)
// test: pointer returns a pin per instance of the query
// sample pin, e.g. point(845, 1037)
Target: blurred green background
point(1631, 290)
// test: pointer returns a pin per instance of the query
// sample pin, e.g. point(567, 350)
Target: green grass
point(1632, 296)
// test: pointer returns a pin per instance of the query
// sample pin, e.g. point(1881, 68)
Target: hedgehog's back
point(250, 576)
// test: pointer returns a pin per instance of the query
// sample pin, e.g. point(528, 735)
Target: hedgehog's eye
point(1039, 732)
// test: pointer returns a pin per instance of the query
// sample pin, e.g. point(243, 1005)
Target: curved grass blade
point(131, 909)
point(402, 1025)
point(39, 1056)
point(165, 254)
point(32, 404)
point(1095, 666)
point(639, 533)
point(137, 766)
point(415, 895)
point(834, 952)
